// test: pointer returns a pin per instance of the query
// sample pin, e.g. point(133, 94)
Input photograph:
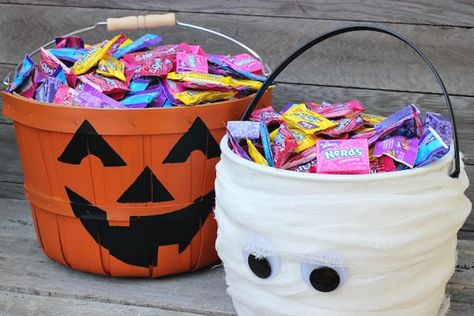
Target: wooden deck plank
point(353, 60)
point(26, 274)
point(433, 12)
point(24, 304)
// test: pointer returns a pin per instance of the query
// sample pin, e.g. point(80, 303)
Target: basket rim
point(439, 164)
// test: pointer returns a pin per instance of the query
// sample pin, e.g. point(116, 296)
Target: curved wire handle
point(319, 39)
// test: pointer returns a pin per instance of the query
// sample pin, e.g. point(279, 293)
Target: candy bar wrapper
point(244, 129)
point(242, 84)
point(69, 54)
point(139, 85)
point(349, 156)
point(270, 117)
point(305, 156)
point(344, 126)
point(111, 67)
point(227, 71)
point(158, 66)
point(408, 115)
point(244, 62)
point(140, 43)
point(303, 140)
point(431, 147)
point(309, 122)
point(73, 42)
point(347, 109)
point(104, 84)
point(308, 167)
point(48, 63)
point(47, 90)
point(160, 100)
point(121, 39)
point(283, 145)
point(65, 96)
point(198, 78)
point(193, 97)
point(401, 149)
point(27, 67)
point(372, 119)
point(207, 86)
point(93, 56)
point(382, 164)
point(139, 100)
point(441, 125)
point(27, 88)
point(267, 149)
point(94, 98)
point(186, 62)
point(255, 154)
point(160, 51)
point(236, 148)
point(170, 88)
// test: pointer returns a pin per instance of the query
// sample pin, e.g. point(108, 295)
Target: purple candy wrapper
point(69, 42)
point(236, 148)
point(441, 125)
point(244, 129)
point(47, 90)
point(399, 148)
point(405, 122)
point(88, 96)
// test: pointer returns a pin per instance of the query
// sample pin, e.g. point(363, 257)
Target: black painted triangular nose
point(146, 188)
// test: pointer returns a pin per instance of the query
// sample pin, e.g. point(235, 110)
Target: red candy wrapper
point(300, 159)
point(283, 145)
point(156, 67)
point(382, 164)
point(104, 84)
point(345, 126)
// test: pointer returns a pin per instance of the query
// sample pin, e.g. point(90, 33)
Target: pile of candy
point(340, 138)
point(121, 73)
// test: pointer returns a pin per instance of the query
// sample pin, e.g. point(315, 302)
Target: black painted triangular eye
point(198, 137)
point(146, 188)
point(86, 141)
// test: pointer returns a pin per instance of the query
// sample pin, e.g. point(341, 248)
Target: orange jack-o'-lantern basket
point(124, 192)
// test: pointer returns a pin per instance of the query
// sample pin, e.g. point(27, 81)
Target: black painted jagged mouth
point(138, 243)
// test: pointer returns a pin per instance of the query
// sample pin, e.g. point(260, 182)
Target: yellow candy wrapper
point(111, 67)
point(255, 154)
point(214, 80)
point(372, 119)
point(304, 141)
point(192, 97)
point(299, 117)
point(93, 56)
point(273, 134)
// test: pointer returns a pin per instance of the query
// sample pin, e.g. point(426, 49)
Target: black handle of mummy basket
point(319, 39)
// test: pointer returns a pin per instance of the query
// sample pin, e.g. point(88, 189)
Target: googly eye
point(264, 267)
point(322, 278)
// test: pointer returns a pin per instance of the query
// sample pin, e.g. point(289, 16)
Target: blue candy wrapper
point(139, 85)
point(139, 100)
point(26, 68)
point(69, 54)
point(441, 125)
point(47, 90)
point(267, 150)
point(431, 147)
point(140, 43)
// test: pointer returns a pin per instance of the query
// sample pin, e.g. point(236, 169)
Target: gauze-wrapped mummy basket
point(312, 244)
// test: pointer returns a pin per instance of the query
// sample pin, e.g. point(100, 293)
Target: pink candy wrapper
point(186, 62)
point(382, 164)
point(157, 66)
point(399, 148)
point(344, 126)
point(349, 156)
point(104, 84)
point(283, 145)
point(346, 109)
point(244, 62)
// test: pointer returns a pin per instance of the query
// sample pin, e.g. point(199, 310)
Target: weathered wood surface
point(361, 59)
point(25, 304)
point(453, 12)
point(30, 282)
